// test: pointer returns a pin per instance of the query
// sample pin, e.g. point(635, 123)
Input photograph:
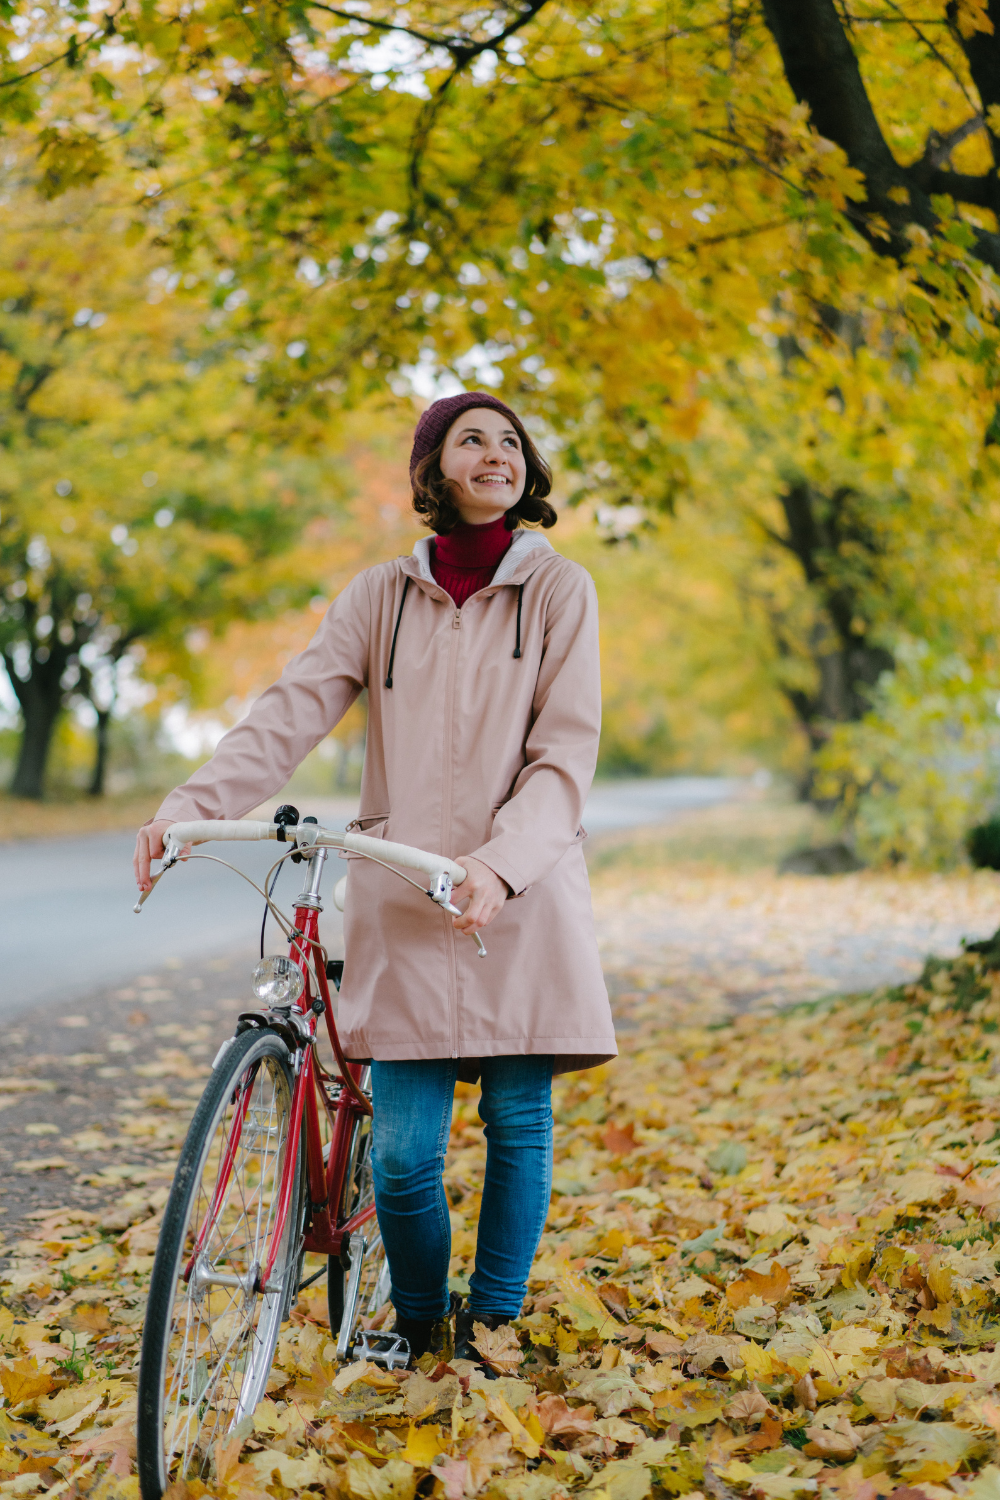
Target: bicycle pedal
point(390, 1350)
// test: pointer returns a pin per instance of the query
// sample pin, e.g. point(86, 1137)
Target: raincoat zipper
point(449, 710)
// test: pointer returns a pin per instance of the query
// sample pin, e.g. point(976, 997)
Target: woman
point(480, 656)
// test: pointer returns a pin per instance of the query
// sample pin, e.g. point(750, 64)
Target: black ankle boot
point(417, 1332)
point(434, 1335)
point(465, 1332)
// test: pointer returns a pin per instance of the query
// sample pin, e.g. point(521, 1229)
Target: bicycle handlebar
point(308, 835)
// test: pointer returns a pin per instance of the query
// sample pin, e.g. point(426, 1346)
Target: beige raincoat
point(472, 750)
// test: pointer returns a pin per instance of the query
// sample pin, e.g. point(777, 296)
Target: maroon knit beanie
point(439, 416)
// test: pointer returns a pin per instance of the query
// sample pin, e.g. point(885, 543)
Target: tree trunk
point(96, 788)
point(824, 533)
point(40, 707)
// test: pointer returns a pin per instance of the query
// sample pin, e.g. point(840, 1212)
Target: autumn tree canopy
point(752, 246)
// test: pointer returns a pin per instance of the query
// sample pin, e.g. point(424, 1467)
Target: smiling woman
point(478, 468)
point(483, 727)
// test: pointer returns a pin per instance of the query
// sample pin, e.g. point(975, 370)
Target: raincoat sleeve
point(256, 758)
point(541, 820)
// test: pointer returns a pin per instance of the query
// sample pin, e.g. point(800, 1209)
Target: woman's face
point(483, 459)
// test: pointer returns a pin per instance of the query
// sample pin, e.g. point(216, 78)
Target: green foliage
point(636, 234)
point(921, 765)
point(137, 502)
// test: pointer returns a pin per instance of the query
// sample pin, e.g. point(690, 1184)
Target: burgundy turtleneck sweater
point(466, 559)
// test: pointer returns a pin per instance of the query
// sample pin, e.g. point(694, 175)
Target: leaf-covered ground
point(770, 1269)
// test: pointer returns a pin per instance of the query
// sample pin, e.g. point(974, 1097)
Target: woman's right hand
point(149, 846)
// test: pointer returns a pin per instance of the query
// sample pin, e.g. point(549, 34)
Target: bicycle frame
point(325, 1232)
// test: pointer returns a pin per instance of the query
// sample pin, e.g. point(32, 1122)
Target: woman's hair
point(433, 499)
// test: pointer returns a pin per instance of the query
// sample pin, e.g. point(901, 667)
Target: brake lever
point(137, 908)
point(439, 891)
point(171, 855)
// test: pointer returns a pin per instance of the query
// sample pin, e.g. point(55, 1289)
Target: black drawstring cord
point(392, 651)
point(517, 648)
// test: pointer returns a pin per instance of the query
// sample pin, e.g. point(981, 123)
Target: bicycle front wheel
point(210, 1332)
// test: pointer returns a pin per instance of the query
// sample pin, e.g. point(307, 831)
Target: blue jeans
point(412, 1121)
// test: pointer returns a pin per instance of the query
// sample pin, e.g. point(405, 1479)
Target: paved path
point(83, 889)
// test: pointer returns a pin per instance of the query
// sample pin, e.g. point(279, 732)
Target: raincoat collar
point(418, 565)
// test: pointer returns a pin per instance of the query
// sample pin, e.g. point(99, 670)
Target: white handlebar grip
point(404, 854)
point(228, 829)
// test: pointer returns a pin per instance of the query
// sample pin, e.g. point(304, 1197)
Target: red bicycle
point(276, 1163)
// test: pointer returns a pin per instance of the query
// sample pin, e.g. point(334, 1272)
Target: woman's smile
point(483, 436)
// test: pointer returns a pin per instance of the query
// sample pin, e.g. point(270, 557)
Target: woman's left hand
point(486, 894)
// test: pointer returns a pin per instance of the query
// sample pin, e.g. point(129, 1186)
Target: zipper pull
point(456, 623)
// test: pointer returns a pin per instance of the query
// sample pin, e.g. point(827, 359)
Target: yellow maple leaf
point(772, 1287)
point(520, 1436)
point(757, 1361)
point(499, 1347)
point(22, 1380)
point(423, 1444)
point(972, 16)
point(585, 1308)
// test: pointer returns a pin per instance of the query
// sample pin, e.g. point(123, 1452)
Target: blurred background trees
point(736, 262)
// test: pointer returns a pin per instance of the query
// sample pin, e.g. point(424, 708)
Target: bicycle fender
point(261, 1019)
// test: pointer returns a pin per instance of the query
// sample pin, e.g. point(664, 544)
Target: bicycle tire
point(374, 1286)
point(187, 1324)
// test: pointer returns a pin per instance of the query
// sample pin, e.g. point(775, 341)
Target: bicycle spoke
point(215, 1346)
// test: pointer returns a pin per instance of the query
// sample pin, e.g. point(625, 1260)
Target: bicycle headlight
point(277, 981)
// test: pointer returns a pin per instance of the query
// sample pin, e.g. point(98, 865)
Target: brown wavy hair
point(434, 503)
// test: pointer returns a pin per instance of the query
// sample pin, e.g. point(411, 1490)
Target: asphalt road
point(66, 922)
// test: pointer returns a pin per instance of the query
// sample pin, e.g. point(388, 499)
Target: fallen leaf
point(664, 1343)
point(561, 1420)
point(109, 1439)
point(295, 1472)
point(499, 1347)
point(422, 1397)
point(520, 1436)
point(491, 1451)
point(619, 1140)
point(612, 1392)
point(87, 1317)
point(619, 1431)
point(616, 1298)
point(838, 1442)
point(805, 1393)
point(423, 1444)
point(584, 1306)
point(769, 1435)
point(769, 1220)
point(226, 1458)
point(23, 1381)
point(748, 1406)
point(453, 1475)
point(351, 1374)
point(774, 1288)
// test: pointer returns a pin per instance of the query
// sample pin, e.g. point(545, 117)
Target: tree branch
point(463, 49)
point(939, 147)
point(72, 52)
point(823, 72)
